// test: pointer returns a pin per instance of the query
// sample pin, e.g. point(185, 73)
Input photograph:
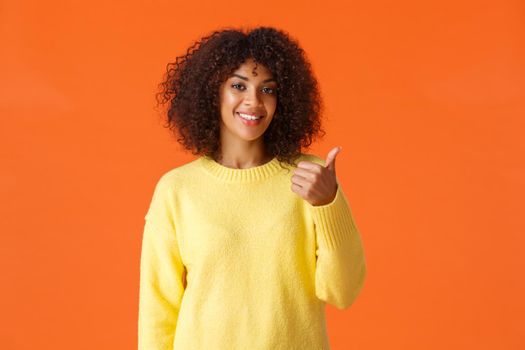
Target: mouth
point(248, 119)
point(249, 116)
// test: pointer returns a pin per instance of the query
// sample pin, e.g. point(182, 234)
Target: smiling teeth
point(249, 117)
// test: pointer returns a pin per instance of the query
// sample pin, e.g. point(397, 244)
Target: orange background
point(426, 98)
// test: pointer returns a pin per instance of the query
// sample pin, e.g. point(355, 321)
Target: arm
point(341, 266)
point(161, 276)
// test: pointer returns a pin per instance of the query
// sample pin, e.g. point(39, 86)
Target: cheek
point(229, 97)
point(228, 106)
point(271, 104)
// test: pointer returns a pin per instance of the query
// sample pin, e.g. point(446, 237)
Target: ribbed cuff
point(334, 223)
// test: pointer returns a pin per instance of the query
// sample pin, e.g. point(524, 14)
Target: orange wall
point(426, 98)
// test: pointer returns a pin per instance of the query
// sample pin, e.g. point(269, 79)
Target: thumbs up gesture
point(316, 183)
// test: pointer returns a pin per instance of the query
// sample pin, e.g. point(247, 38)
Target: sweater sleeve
point(161, 275)
point(340, 266)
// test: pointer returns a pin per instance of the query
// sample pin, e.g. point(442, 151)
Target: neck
point(243, 155)
point(240, 160)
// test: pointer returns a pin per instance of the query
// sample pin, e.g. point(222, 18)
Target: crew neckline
point(225, 173)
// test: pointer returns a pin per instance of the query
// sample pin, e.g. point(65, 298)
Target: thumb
point(330, 158)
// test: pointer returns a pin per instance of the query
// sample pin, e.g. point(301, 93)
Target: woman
point(243, 246)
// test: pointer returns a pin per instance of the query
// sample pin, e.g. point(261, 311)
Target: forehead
point(253, 71)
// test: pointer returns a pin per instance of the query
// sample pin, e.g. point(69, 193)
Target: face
point(249, 90)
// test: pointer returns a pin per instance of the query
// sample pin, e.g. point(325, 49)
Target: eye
point(234, 85)
point(272, 91)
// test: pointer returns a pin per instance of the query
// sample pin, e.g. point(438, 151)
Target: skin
point(243, 145)
point(250, 89)
point(315, 183)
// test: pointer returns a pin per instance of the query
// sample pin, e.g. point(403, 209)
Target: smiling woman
point(242, 247)
point(264, 72)
point(248, 103)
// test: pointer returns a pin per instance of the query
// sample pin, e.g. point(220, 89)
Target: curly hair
point(191, 88)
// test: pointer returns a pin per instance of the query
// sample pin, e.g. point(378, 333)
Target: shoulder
point(167, 186)
point(174, 177)
point(164, 198)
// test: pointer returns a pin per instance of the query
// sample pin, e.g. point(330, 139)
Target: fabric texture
point(234, 259)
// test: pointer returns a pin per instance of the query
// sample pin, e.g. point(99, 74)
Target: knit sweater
point(234, 259)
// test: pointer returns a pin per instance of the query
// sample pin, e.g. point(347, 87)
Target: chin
point(250, 136)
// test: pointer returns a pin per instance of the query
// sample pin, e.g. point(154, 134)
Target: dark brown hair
point(191, 88)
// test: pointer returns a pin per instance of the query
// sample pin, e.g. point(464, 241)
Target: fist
point(316, 183)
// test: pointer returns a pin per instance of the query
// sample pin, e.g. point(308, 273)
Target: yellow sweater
point(234, 259)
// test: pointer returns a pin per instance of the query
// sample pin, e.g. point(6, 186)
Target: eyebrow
point(244, 78)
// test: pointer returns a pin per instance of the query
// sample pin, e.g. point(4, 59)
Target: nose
point(252, 98)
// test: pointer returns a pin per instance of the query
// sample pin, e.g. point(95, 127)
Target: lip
point(250, 122)
point(251, 113)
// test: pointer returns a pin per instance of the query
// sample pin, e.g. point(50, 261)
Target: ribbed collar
point(257, 173)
